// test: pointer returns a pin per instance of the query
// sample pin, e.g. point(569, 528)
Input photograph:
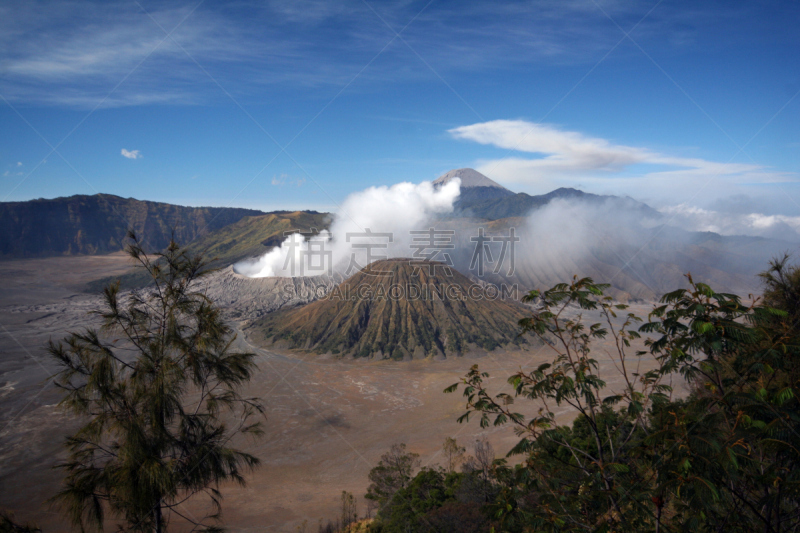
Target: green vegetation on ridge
point(252, 236)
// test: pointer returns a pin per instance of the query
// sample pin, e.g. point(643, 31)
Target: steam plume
point(395, 210)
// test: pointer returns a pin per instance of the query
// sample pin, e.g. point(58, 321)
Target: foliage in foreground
point(155, 387)
point(436, 499)
point(724, 456)
point(9, 525)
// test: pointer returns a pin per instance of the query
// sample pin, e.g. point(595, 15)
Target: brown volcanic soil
point(399, 309)
point(39, 299)
point(328, 420)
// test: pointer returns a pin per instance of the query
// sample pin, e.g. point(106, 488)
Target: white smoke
point(396, 211)
point(286, 260)
point(563, 233)
point(644, 254)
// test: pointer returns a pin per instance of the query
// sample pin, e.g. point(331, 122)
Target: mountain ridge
point(96, 224)
point(481, 197)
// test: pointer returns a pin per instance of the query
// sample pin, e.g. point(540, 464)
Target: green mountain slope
point(366, 316)
point(81, 224)
point(251, 236)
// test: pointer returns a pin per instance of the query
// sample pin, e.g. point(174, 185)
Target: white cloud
point(565, 151)
point(568, 158)
point(13, 169)
point(131, 154)
point(285, 179)
point(694, 218)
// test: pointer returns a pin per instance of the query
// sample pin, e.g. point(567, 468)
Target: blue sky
point(279, 105)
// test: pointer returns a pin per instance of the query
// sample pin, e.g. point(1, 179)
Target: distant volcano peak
point(469, 178)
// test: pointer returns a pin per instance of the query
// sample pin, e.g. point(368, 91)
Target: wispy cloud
point(567, 158)
point(131, 154)
point(72, 53)
point(564, 151)
point(75, 53)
